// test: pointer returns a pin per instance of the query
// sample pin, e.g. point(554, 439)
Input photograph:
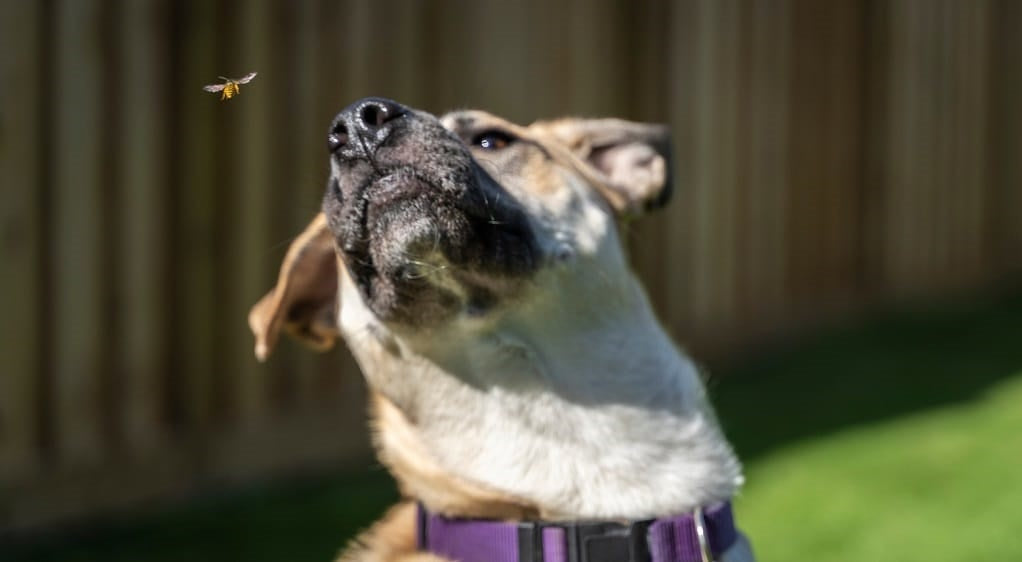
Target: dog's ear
point(304, 302)
point(633, 159)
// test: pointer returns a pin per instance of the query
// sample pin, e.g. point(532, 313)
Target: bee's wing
point(246, 78)
point(213, 87)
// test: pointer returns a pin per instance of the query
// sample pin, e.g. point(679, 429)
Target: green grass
point(939, 485)
point(900, 439)
point(897, 440)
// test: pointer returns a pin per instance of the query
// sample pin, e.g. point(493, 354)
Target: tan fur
point(420, 477)
point(307, 277)
point(584, 139)
point(560, 145)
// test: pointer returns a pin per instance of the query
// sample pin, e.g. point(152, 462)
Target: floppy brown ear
point(633, 159)
point(304, 302)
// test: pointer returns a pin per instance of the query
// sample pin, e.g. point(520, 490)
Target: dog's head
point(430, 223)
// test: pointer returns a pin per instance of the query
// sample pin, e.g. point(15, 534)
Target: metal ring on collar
point(702, 534)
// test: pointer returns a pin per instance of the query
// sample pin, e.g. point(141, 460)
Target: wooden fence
point(830, 154)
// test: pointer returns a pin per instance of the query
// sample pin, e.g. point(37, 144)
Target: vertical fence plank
point(682, 68)
point(825, 158)
point(140, 239)
point(549, 57)
point(944, 140)
point(494, 35)
point(395, 60)
point(877, 144)
point(766, 174)
point(934, 189)
point(1004, 226)
point(450, 84)
point(410, 71)
point(930, 68)
point(714, 259)
point(903, 115)
point(254, 173)
point(77, 224)
point(356, 50)
point(20, 138)
point(193, 200)
point(969, 77)
point(595, 31)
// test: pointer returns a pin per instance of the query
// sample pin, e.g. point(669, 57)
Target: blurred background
point(843, 252)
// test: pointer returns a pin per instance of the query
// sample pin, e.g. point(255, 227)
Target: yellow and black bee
point(231, 86)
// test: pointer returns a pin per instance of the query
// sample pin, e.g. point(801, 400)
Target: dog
point(521, 384)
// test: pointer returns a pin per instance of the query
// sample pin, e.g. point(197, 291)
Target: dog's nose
point(367, 120)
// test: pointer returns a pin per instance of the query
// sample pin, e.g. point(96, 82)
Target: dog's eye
point(492, 140)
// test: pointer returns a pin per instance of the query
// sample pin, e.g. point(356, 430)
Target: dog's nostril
point(364, 119)
point(374, 115)
point(337, 138)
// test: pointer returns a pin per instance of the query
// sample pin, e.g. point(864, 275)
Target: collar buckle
point(589, 542)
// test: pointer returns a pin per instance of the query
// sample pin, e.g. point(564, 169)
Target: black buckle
point(589, 542)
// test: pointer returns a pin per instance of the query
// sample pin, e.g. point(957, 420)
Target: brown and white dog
point(517, 370)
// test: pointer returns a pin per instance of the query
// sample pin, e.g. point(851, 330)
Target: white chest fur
point(605, 420)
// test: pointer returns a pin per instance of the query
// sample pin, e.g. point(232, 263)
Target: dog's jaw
point(601, 420)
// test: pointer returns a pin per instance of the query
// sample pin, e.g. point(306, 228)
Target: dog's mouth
point(424, 231)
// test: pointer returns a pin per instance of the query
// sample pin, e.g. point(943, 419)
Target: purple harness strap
point(668, 539)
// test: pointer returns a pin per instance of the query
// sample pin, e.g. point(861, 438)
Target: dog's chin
point(420, 257)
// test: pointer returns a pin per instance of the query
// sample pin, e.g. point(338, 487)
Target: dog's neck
point(582, 412)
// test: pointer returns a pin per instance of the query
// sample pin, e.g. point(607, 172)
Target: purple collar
point(668, 539)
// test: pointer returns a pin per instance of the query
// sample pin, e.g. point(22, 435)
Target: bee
point(231, 86)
